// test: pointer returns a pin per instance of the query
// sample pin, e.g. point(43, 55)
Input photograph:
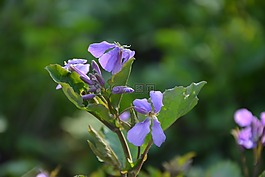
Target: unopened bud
point(100, 79)
point(88, 96)
point(121, 89)
point(95, 67)
point(86, 79)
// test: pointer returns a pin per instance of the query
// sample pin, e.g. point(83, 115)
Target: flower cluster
point(252, 131)
point(111, 58)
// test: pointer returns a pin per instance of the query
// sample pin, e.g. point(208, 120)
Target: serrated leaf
point(102, 149)
point(120, 79)
point(71, 83)
point(178, 102)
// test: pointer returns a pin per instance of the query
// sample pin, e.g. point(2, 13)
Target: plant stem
point(244, 164)
point(124, 144)
point(143, 158)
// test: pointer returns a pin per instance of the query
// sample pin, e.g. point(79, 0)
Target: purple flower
point(111, 56)
point(79, 65)
point(253, 129)
point(137, 134)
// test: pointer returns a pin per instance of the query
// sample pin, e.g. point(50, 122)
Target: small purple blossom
point(137, 134)
point(78, 65)
point(125, 116)
point(112, 56)
point(121, 89)
point(252, 129)
point(42, 174)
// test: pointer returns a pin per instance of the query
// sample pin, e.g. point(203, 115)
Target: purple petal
point(157, 133)
point(157, 100)
point(109, 59)
point(142, 106)
point(58, 87)
point(137, 134)
point(118, 65)
point(127, 54)
point(125, 116)
point(76, 61)
point(98, 49)
point(243, 117)
point(262, 118)
point(83, 68)
point(245, 138)
point(257, 129)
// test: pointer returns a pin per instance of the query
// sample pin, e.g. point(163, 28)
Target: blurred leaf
point(262, 174)
point(177, 102)
point(153, 172)
point(120, 79)
point(224, 169)
point(102, 149)
point(71, 83)
point(179, 165)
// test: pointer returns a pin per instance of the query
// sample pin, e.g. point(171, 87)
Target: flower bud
point(88, 96)
point(95, 67)
point(100, 79)
point(121, 89)
point(86, 79)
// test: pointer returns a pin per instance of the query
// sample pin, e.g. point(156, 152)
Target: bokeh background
point(177, 42)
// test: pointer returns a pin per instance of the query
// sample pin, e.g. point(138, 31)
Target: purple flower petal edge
point(137, 134)
point(98, 49)
point(157, 133)
point(157, 100)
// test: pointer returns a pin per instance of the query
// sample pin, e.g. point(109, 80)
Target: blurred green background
point(176, 42)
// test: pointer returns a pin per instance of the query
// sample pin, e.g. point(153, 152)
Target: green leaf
point(71, 83)
point(60, 75)
point(178, 102)
point(120, 79)
point(102, 113)
point(102, 149)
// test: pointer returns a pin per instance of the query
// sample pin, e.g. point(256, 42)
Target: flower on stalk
point(112, 56)
point(137, 134)
point(79, 64)
point(252, 131)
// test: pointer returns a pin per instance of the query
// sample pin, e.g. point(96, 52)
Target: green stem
point(142, 160)
point(244, 163)
point(124, 144)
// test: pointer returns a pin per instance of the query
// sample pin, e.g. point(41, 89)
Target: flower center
point(151, 114)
